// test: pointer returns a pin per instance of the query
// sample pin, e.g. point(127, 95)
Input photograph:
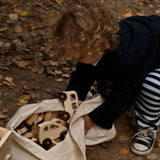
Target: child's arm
point(82, 79)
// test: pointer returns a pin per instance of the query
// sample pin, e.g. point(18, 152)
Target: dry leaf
point(18, 29)
point(13, 16)
point(17, 42)
point(128, 13)
point(123, 138)
point(21, 64)
point(152, 156)
point(9, 83)
point(124, 152)
point(58, 72)
point(158, 142)
point(38, 68)
point(5, 110)
point(9, 79)
point(24, 13)
point(23, 100)
point(2, 116)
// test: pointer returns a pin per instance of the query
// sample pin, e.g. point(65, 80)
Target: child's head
point(85, 30)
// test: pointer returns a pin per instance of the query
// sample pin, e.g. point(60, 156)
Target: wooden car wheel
point(63, 135)
point(62, 97)
point(65, 116)
point(47, 142)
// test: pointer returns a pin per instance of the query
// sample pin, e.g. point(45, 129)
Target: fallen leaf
point(23, 100)
point(21, 64)
point(158, 142)
point(58, 72)
point(124, 152)
point(2, 116)
point(128, 13)
point(13, 16)
point(38, 68)
point(24, 13)
point(1, 104)
point(18, 29)
point(9, 83)
point(123, 138)
point(5, 110)
point(1, 95)
point(32, 27)
point(17, 42)
point(3, 29)
point(59, 80)
point(9, 79)
point(157, 11)
point(152, 157)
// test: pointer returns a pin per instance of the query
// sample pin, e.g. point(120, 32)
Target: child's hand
point(88, 123)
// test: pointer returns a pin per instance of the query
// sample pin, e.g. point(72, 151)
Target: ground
point(30, 71)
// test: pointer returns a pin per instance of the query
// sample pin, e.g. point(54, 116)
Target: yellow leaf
point(21, 104)
point(9, 83)
point(24, 13)
point(128, 13)
point(33, 27)
point(124, 152)
point(38, 68)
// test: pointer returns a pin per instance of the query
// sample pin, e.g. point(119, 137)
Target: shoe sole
point(141, 153)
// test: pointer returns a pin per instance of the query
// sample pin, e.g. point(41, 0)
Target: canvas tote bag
point(73, 147)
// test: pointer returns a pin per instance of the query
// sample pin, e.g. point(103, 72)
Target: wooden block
point(39, 118)
point(5, 142)
point(31, 119)
point(34, 139)
point(34, 130)
point(22, 130)
point(28, 135)
point(8, 157)
point(50, 115)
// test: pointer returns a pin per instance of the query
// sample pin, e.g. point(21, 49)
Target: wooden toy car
point(70, 102)
point(49, 131)
point(5, 143)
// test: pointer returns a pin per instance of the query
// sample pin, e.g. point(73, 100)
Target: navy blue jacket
point(137, 55)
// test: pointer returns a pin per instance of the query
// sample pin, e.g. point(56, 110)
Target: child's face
point(87, 59)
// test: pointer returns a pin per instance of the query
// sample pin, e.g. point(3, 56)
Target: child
point(125, 55)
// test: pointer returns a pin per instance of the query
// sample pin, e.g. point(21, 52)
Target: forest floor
point(30, 71)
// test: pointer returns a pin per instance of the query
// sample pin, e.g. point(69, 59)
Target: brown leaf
point(18, 29)
point(17, 42)
point(2, 116)
point(21, 64)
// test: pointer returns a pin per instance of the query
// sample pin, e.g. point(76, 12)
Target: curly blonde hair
point(85, 29)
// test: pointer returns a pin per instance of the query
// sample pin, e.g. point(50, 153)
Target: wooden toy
point(70, 102)
point(5, 143)
point(50, 130)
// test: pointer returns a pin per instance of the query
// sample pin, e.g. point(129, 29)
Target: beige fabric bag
point(72, 147)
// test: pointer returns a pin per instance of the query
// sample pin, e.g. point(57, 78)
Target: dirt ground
point(30, 71)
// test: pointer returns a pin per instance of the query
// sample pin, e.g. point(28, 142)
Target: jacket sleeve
point(82, 79)
point(121, 98)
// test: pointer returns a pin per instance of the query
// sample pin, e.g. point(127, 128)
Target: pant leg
point(147, 108)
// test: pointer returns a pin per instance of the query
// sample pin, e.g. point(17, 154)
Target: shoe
point(143, 142)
